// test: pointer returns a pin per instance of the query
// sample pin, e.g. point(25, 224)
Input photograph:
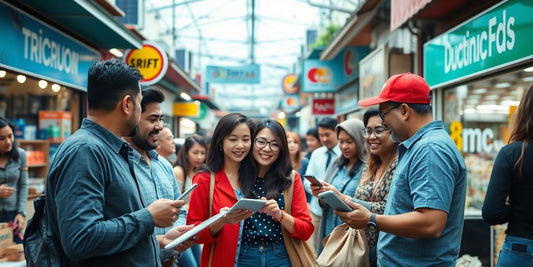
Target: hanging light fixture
point(21, 78)
point(43, 84)
point(56, 87)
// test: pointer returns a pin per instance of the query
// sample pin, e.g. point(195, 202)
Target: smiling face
point(6, 139)
point(196, 155)
point(149, 126)
point(237, 144)
point(268, 154)
point(379, 144)
point(294, 147)
point(347, 145)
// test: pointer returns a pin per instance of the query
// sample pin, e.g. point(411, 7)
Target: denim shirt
point(157, 181)
point(431, 173)
point(94, 204)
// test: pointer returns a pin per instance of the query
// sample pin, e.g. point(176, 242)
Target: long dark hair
point(183, 155)
point(373, 162)
point(14, 153)
point(215, 156)
point(277, 178)
point(523, 127)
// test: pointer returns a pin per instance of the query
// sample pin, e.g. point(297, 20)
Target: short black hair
point(109, 81)
point(328, 122)
point(151, 95)
point(314, 132)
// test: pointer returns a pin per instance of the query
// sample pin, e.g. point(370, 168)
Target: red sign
point(324, 106)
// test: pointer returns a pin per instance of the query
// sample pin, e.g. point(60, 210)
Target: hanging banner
point(291, 103)
point(325, 106)
point(248, 74)
point(330, 75)
point(151, 60)
point(287, 84)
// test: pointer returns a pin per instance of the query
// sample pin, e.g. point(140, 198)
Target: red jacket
point(224, 196)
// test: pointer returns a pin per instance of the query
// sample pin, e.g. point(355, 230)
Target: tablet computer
point(194, 231)
point(334, 201)
point(248, 204)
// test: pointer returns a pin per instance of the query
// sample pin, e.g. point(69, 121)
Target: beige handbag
point(299, 251)
point(345, 247)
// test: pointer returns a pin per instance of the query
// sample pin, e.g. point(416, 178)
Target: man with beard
point(93, 203)
point(154, 172)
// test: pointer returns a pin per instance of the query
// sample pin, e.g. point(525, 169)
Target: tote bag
point(299, 251)
point(345, 247)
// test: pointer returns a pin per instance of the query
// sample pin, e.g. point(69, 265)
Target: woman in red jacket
point(261, 238)
point(233, 167)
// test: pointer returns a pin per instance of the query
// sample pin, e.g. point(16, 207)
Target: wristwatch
point(371, 225)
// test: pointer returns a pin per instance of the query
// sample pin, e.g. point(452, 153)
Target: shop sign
point(498, 37)
point(33, 47)
point(374, 73)
point(291, 103)
point(151, 60)
point(248, 74)
point(474, 140)
point(185, 109)
point(331, 75)
point(346, 99)
point(287, 84)
point(324, 106)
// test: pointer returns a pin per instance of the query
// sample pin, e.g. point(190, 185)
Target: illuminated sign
point(474, 140)
point(186, 109)
point(287, 84)
point(151, 60)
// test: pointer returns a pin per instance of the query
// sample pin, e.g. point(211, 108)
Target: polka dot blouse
point(262, 229)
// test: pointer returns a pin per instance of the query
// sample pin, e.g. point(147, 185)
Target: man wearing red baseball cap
point(423, 220)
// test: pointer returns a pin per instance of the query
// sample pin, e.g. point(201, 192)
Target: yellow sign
point(185, 109)
point(151, 60)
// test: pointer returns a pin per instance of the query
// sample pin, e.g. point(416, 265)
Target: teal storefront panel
point(32, 47)
point(498, 37)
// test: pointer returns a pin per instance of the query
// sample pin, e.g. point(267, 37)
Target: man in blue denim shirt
point(93, 201)
point(154, 173)
point(423, 220)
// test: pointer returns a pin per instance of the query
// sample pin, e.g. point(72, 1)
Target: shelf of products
point(38, 160)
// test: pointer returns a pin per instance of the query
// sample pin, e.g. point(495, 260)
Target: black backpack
point(40, 245)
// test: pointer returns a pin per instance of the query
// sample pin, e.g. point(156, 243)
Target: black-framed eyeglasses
point(378, 131)
point(383, 114)
point(262, 143)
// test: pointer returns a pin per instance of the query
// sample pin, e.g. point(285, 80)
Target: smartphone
point(334, 201)
point(313, 180)
point(187, 192)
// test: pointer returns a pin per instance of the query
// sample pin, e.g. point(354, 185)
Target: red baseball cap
point(406, 88)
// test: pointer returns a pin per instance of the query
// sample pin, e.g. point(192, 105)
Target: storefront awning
point(205, 99)
point(85, 20)
point(357, 26)
point(180, 78)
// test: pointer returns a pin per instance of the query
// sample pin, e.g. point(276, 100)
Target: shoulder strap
point(287, 195)
point(211, 192)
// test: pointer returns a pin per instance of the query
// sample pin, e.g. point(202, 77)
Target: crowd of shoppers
point(112, 191)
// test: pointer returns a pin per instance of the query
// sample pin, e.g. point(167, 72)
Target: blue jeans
point(263, 256)
point(190, 258)
point(516, 251)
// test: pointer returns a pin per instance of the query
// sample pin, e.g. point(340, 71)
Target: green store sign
point(498, 37)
